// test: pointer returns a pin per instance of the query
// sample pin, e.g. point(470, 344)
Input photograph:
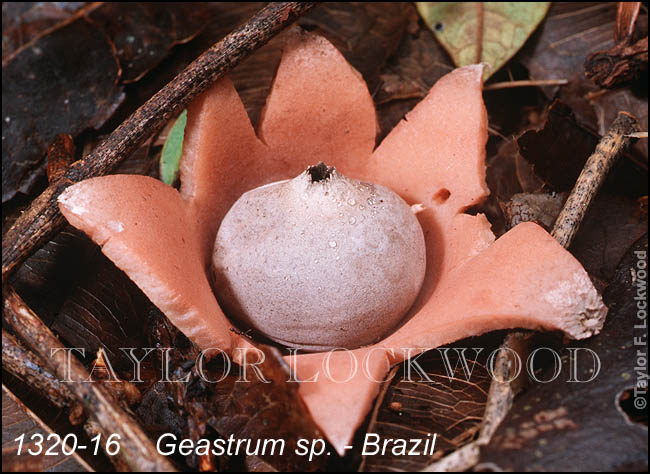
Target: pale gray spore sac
point(305, 264)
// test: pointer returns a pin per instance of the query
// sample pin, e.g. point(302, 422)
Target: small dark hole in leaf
point(634, 405)
point(439, 26)
point(442, 195)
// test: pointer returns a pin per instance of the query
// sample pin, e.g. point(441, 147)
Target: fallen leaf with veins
point(482, 32)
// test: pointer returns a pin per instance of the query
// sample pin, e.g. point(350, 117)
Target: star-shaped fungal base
point(319, 109)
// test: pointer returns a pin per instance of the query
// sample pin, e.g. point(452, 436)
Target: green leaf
point(170, 157)
point(482, 32)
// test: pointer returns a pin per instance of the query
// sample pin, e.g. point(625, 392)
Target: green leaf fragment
point(170, 157)
point(482, 32)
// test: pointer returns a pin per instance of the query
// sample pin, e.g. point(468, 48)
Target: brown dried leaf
point(88, 301)
point(559, 150)
point(417, 64)
point(610, 227)
point(557, 51)
point(24, 21)
point(144, 32)
point(48, 88)
point(257, 410)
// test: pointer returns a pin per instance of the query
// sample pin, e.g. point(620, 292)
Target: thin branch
point(43, 218)
point(136, 449)
point(527, 83)
point(28, 367)
point(592, 177)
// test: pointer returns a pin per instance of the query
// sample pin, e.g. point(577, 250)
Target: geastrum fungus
point(365, 284)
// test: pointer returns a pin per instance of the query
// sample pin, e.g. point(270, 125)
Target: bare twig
point(136, 449)
point(32, 370)
point(592, 177)
point(43, 218)
point(528, 83)
point(28, 367)
point(500, 397)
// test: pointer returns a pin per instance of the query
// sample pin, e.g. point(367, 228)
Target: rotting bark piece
point(626, 59)
point(621, 64)
point(282, 413)
point(541, 208)
point(60, 155)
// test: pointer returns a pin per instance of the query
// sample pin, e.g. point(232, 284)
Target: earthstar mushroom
point(319, 109)
point(320, 261)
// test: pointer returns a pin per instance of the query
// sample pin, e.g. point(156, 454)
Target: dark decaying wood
point(42, 219)
point(626, 59)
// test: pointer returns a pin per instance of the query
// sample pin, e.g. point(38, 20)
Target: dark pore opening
point(442, 195)
point(320, 172)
